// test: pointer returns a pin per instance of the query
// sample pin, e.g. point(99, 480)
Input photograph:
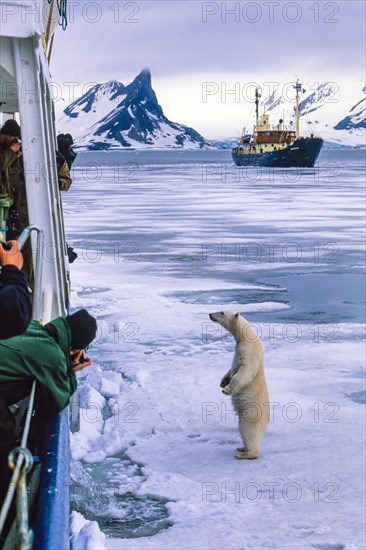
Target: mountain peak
point(145, 72)
point(112, 115)
point(143, 79)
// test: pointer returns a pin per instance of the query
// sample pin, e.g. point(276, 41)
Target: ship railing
point(21, 462)
point(37, 294)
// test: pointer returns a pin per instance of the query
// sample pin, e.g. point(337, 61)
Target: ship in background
point(277, 146)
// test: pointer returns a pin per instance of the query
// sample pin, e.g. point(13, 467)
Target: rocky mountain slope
point(115, 116)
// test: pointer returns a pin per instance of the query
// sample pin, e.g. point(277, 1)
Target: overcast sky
point(189, 43)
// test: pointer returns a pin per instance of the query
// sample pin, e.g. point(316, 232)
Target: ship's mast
point(257, 97)
point(298, 88)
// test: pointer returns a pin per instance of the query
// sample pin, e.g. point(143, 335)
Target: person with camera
point(11, 167)
point(15, 301)
point(51, 354)
point(63, 172)
point(64, 144)
point(11, 170)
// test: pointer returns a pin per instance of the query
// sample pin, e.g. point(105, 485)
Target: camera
point(14, 218)
point(83, 358)
point(72, 255)
point(64, 145)
point(64, 142)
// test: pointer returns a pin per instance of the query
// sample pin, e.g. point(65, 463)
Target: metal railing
point(37, 294)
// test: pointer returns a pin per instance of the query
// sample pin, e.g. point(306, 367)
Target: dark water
point(118, 515)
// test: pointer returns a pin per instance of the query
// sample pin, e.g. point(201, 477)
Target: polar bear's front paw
point(225, 380)
point(227, 390)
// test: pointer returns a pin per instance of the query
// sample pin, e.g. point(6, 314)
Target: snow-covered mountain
point(356, 116)
point(115, 116)
point(225, 143)
point(325, 110)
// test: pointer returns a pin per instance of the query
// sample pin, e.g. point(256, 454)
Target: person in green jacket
point(49, 354)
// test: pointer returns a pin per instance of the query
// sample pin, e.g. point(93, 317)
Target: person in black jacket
point(64, 145)
point(15, 302)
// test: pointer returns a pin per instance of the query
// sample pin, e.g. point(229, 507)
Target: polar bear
point(245, 382)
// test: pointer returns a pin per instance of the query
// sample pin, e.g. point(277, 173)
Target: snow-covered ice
point(162, 242)
point(86, 534)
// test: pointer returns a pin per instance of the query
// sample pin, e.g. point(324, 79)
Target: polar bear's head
point(227, 319)
point(239, 327)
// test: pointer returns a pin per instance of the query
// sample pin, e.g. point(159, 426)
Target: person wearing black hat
point(49, 354)
point(11, 128)
point(64, 144)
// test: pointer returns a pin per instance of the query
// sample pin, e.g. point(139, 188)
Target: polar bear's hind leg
point(246, 455)
point(249, 434)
